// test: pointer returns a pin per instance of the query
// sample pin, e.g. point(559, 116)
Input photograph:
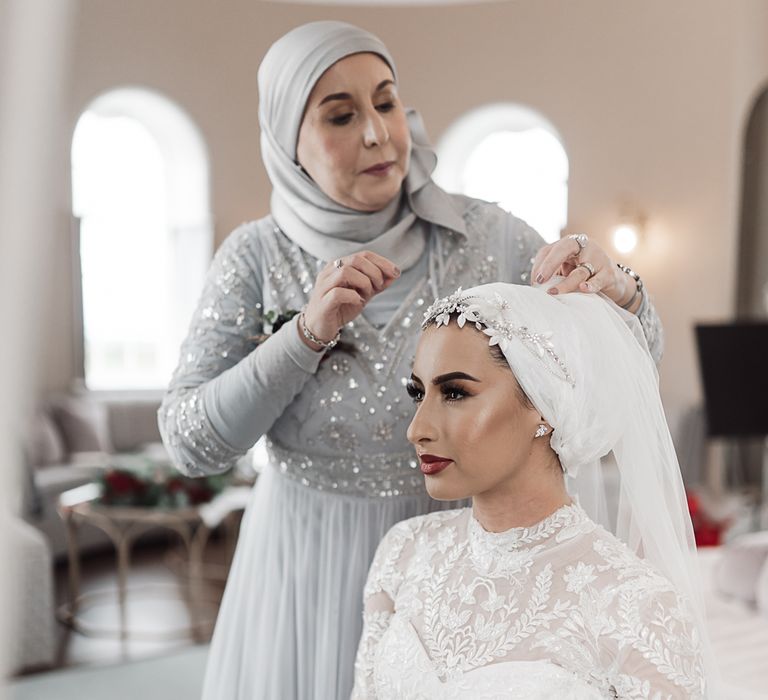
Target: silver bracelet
point(638, 284)
point(309, 335)
point(632, 300)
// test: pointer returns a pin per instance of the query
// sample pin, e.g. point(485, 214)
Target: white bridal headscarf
point(586, 368)
point(318, 224)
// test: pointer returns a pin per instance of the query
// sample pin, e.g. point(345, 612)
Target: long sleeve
point(375, 624)
point(379, 594)
point(226, 391)
point(650, 322)
point(659, 650)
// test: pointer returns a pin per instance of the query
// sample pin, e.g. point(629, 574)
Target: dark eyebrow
point(443, 378)
point(347, 96)
point(383, 84)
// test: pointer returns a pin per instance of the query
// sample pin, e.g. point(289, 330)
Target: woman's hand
point(342, 289)
point(586, 268)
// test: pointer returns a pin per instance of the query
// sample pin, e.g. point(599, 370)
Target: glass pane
point(526, 172)
point(119, 192)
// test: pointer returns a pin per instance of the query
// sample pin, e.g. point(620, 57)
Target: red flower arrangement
point(158, 488)
point(707, 531)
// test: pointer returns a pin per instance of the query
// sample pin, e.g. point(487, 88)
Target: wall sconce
point(626, 235)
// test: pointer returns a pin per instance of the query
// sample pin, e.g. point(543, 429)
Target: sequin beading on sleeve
point(220, 335)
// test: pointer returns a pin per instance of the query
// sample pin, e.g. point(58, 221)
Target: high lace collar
point(519, 538)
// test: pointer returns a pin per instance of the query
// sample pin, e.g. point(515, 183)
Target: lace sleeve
point(659, 648)
point(379, 594)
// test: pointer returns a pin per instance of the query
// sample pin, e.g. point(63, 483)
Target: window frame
point(187, 166)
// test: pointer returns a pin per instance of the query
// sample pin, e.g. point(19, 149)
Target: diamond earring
point(541, 430)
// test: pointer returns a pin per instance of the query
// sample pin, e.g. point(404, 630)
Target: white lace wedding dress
point(560, 610)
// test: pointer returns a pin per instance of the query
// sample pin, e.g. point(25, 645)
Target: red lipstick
point(432, 464)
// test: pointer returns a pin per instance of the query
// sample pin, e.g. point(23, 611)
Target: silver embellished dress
point(342, 472)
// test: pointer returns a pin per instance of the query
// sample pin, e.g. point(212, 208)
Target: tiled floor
point(157, 609)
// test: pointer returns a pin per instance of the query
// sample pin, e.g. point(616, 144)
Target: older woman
point(358, 237)
point(525, 595)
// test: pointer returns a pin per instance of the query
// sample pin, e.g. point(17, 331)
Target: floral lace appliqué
point(477, 614)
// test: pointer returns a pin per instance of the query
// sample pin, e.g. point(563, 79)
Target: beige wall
point(650, 97)
point(752, 300)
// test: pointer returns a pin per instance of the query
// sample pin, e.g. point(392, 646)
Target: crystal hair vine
point(491, 321)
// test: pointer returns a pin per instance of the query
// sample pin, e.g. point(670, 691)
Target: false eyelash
point(447, 389)
point(413, 390)
point(417, 394)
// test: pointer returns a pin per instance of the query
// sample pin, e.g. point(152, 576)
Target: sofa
point(31, 631)
point(73, 438)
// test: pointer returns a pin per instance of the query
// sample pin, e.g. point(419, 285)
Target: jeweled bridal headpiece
point(490, 315)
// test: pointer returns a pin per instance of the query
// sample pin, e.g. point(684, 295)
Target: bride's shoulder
point(634, 592)
point(408, 537)
point(620, 566)
point(429, 524)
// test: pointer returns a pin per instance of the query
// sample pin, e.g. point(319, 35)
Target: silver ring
point(338, 263)
point(581, 239)
point(589, 268)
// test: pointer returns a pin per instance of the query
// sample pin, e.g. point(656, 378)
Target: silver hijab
point(322, 227)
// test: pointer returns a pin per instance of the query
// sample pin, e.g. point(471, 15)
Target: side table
point(123, 524)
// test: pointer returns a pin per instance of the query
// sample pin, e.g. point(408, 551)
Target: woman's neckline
point(516, 537)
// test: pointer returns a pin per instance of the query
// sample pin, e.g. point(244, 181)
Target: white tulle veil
point(585, 366)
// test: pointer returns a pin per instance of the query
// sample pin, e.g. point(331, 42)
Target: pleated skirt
point(291, 615)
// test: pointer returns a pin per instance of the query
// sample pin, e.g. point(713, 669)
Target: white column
point(34, 56)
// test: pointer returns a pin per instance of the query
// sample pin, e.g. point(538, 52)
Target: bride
point(540, 589)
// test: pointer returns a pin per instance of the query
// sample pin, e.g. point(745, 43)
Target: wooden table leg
point(123, 546)
point(195, 575)
point(73, 557)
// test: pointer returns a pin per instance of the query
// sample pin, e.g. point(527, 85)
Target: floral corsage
point(273, 321)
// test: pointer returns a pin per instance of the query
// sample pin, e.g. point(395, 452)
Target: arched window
point(140, 194)
point(511, 155)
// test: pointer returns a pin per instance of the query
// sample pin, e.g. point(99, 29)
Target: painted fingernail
point(552, 290)
point(539, 278)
